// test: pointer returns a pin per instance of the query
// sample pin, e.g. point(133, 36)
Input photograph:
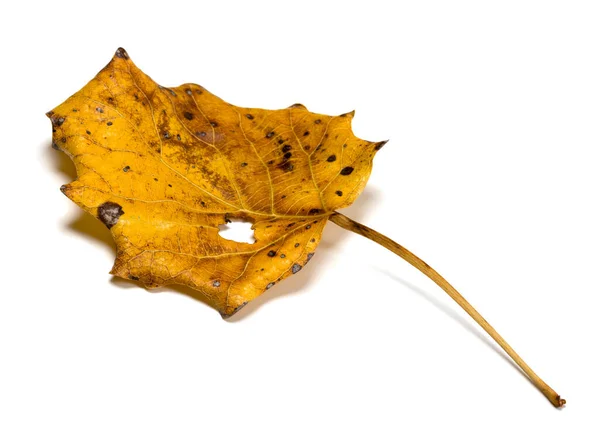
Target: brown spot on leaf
point(286, 166)
point(109, 213)
point(346, 170)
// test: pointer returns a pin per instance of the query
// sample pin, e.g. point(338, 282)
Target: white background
point(491, 175)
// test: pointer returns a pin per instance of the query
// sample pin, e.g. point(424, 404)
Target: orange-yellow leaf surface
point(162, 168)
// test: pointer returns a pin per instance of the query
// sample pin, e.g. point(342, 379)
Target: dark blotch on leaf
point(331, 158)
point(188, 115)
point(270, 285)
point(271, 253)
point(109, 213)
point(216, 283)
point(306, 133)
point(270, 134)
point(317, 121)
point(314, 211)
point(296, 268)
point(126, 169)
point(249, 116)
point(286, 166)
point(346, 170)
point(99, 110)
point(309, 256)
point(339, 193)
point(287, 155)
point(109, 123)
point(286, 148)
point(134, 278)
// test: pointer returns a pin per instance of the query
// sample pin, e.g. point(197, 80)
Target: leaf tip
point(348, 114)
point(121, 53)
point(379, 145)
point(226, 315)
point(298, 106)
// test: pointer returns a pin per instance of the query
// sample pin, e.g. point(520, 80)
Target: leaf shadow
point(88, 226)
point(82, 224)
point(465, 323)
point(59, 161)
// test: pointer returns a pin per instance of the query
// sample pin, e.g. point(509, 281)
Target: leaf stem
point(353, 226)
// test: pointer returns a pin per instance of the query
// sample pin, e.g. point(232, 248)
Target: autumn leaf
point(163, 168)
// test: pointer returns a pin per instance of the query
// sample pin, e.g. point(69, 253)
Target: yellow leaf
point(162, 168)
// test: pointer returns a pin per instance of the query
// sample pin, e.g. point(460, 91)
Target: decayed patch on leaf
point(164, 167)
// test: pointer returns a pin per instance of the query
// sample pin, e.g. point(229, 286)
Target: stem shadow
point(458, 318)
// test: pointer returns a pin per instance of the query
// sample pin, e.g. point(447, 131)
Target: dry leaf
point(162, 168)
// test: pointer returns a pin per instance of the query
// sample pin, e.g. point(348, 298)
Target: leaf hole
point(238, 230)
